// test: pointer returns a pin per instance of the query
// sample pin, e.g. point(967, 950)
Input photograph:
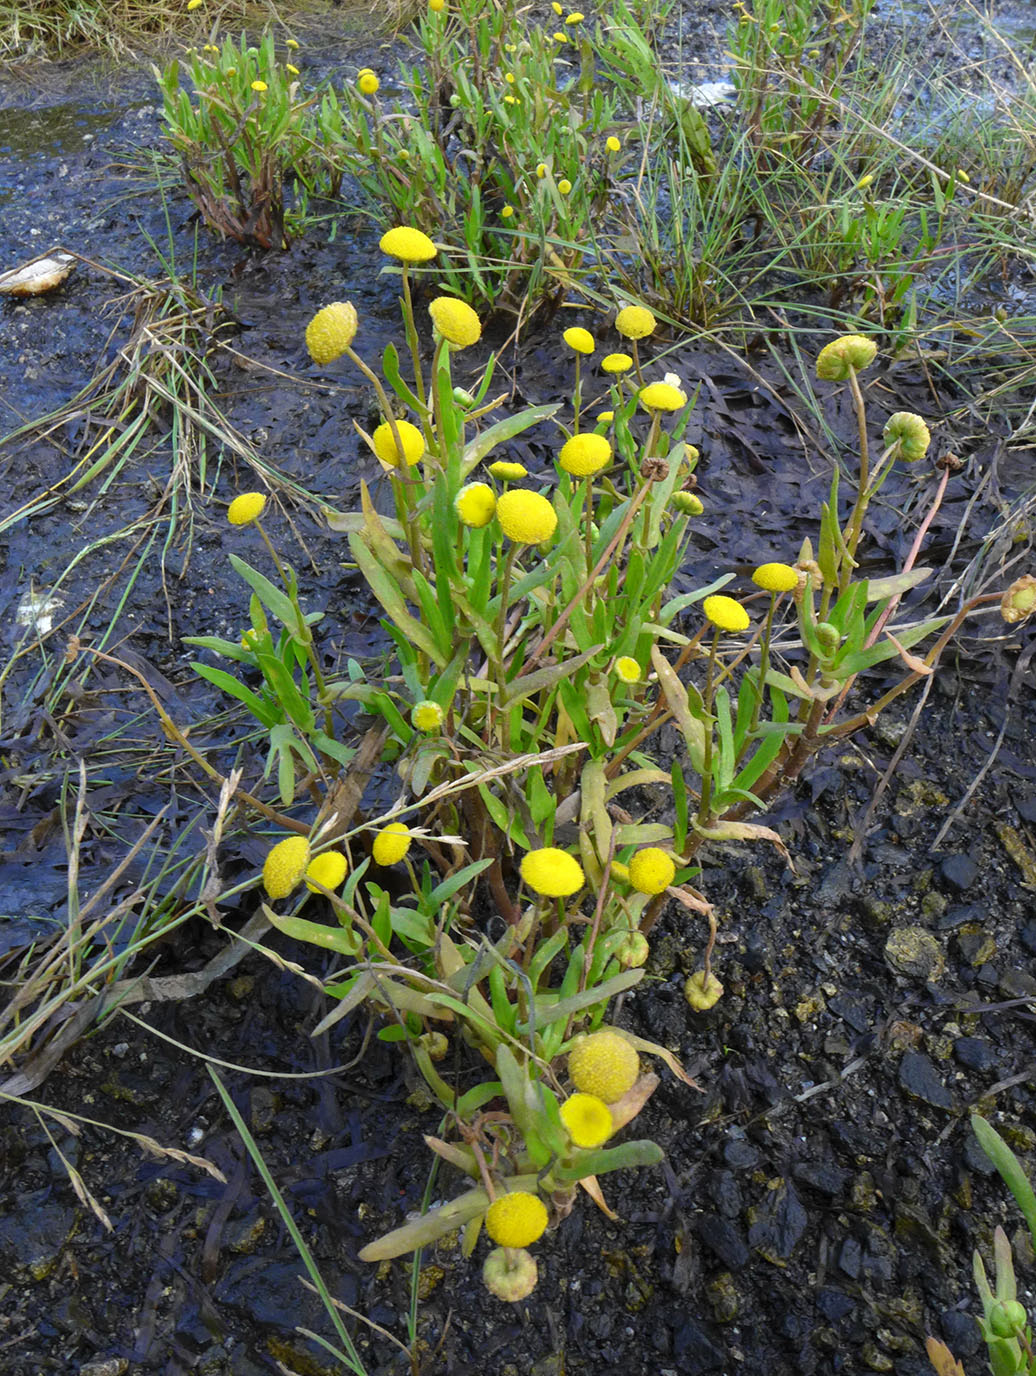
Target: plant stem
point(705, 806)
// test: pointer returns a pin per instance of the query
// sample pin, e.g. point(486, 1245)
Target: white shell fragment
point(709, 93)
point(43, 274)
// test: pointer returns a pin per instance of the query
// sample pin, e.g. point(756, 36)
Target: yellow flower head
point(331, 331)
point(427, 716)
point(662, 396)
point(616, 363)
point(409, 437)
point(1019, 601)
point(582, 341)
point(725, 613)
point(508, 472)
point(587, 1120)
point(292, 43)
point(367, 83)
point(516, 1219)
point(329, 868)
point(604, 1064)
point(585, 454)
point(408, 245)
point(909, 434)
point(391, 844)
point(258, 85)
point(541, 169)
point(456, 321)
point(510, 78)
point(250, 638)
point(564, 186)
point(436, 6)
point(475, 504)
point(552, 872)
point(612, 144)
point(702, 991)
point(627, 669)
point(245, 509)
point(776, 577)
point(573, 18)
point(194, 4)
point(687, 503)
point(620, 872)
point(526, 517)
point(511, 100)
point(285, 865)
point(507, 212)
point(652, 870)
point(635, 322)
point(556, 8)
point(849, 351)
point(605, 416)
point(292, 69)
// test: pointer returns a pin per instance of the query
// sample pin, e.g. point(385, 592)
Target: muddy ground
point(820, 1199)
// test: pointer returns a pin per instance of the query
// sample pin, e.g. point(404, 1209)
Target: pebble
point(959, 915)
point(723, 1239)
point(779, 1224)
point(959, 871)
point(1017, 984)
point(920, 1079)
point(695, 1351)
point(1028, 937)
point(823, 1176)
point(975, 1053)
point(915, 952)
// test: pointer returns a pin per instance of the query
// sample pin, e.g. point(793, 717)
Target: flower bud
point(908, 435)
point(1007, 1318)
point(633, 951)
point(702, 991)
point(510, 1274)
point(850, 351)
point(830, 637)
point(1019, 601)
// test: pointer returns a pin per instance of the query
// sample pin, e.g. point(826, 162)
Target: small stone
point(723, 1239)
point(241, 987)
point(959, 916)
point(810, 1007)
point(428, 1281)
point(243, 1237)
point(915, 952)
point(963, 1335)
point(739, 1154)
point(850, 1258)
point(111, 1366)
point(875, 1359)
point(33, 1234)
point(920, 1079)
point(779, 1224)
point(723, 1298)
point(696, 1351)
point(162, 1194)
point(823, 1176)
point(976, 946)
point(834, 1305)
point(959, 871)
point(1017, 984)
point(975, 1053)
point(1028, 937)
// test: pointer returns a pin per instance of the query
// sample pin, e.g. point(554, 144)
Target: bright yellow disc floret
point(552, 872)
point(329, 868)
point(587, 1120)
point(604, 1064)
point(585, 454)
point(285, 865)
point(408, 245)
point(526, 517)
point(409, 437)
point(725, 613)
point(456, 321)
point(635, 322)
point(391, 844)
point(776, 577)
point(617, 363)
point(582, 341)
point(475, 504)
point(662, 396)
point(367, 83)
point(245, 509)
point(331, 331)
point(627, 669)
point(427, 716)
point(508, 472)
point(652, 870)
point(516, 1219)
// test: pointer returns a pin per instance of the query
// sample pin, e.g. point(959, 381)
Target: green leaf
point(272, 598)
point(262, 711)
point(483, 444)
point(1009, 1168)
point(626, 1156)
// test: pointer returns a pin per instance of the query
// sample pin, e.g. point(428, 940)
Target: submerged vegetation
point(492, 893)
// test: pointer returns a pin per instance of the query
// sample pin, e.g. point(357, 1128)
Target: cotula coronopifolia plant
point(536, 653)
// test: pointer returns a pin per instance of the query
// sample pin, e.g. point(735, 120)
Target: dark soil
point(820, 1199)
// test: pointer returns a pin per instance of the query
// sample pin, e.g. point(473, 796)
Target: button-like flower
point(475, 504)
point(526, 517)
point(285, 865)
point(776, 577)
point(585, 454)
point(616, 363)
point(587, 1120)
point(456, 321)
point(633, 951)
point(627, 669)
point(409, 437)
point(329, 868)
point(604, 1064)
point(510, 1274)
point(427, 716)
point(245, 509)
point(408, 245)
point(391, 844)
point(331, 331)
point(605, 416)
point(541, 169)
point(508, 472)
point(564, 186)
point(516, 1219)
point(909, 434)
point(194, 4)
point(652, 870)
point(635, 322)
point(849, 351)
point(367, 83)
point(552, 872)
point(725, 613)
point(582, 341)
point(662, 396)
point(259, 86)
point(436, 6)
point(702, 992)
point(612, 144)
